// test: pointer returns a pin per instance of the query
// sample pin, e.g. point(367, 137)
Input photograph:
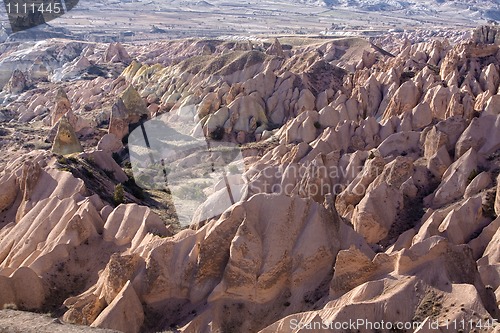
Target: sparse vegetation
point(62, 160)
point(119, 194)
point(193, 191)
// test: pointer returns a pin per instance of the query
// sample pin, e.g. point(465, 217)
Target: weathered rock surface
point(66, 142)
point(368, 183)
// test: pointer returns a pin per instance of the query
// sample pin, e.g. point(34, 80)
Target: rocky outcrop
point(497, 201)
point(410, 299)
point(66, 142)
point(62, 106)
point(275, 49)
point(365, 184)
point(17, 83)
point(128, 109)
point(117, 53)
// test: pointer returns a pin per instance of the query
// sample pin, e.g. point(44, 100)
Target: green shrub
point(119, 194)
point(62, 160)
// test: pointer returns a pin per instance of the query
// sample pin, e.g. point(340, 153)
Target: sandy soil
point(12, 321)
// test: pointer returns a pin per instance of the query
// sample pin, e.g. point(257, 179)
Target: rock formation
point(368, 185)
point(66, 142)
point(17, 83)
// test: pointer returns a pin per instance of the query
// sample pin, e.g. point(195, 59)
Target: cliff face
point(365, 186)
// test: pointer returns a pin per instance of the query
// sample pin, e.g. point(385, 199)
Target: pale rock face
point(328, 117)
point(275, 49)
point(489, 79)
point(492, 106)
point(124, 313)
point(426, 261)
point(322, 100)
point(458, 222)
point(133, 102)
point(244, 108)
point(356, 190)
point(404, 100)
point(63, 106)
point(398, 143)
point(117, 53)
point(210, 103)
point(439, 162)
point(421, 116)
point(9, 194)
point(71, 70)
point(396, 172)
point(217, 119)
point(14, 289)
point(438, 98)
point(118, 124)
point(486, 35)
point(128, 224)
point(464, 221)
point(109, 143)
point(479, 183)
point(434, 140)
point(455, 180)
point(17, 83)
point(303, 128)
point(374, 215)
point(105, 162)
point(128, 109)
point(66, 142)
point(452, 127)
point(497, 201)
point(482, 135)
point(306, 101)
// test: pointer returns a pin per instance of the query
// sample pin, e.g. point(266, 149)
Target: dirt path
point(12, 321)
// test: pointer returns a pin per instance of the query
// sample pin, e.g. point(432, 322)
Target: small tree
point(119, 195)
